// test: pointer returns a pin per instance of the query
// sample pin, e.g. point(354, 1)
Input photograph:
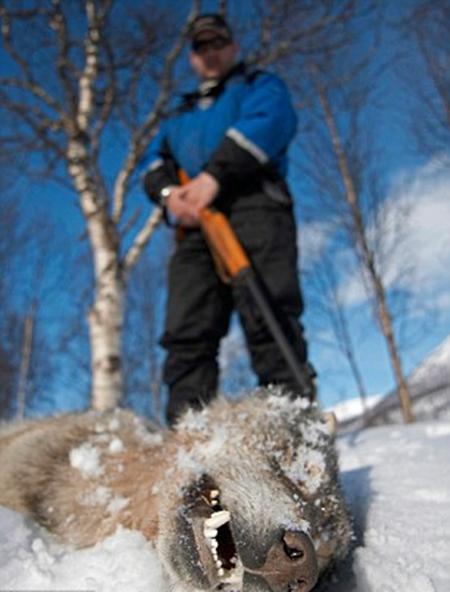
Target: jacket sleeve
point(160, 167)
point(266, 125)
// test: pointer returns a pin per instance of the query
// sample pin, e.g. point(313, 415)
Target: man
point(231, 138)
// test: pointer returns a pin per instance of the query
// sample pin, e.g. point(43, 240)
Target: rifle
point(234, 266)
point(228, 251)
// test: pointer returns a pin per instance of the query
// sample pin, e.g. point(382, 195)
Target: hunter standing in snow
point(231, 138)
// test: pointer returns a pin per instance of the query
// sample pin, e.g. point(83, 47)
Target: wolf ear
point(331, 423)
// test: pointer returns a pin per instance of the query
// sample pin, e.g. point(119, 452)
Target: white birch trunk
point(105, 328)
point(107, 311)
point(106, 315)
point(82, 113)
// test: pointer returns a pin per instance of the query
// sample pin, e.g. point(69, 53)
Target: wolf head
point(256, 505)
point(239, 497)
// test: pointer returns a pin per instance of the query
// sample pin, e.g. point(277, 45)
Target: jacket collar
point(208, 90)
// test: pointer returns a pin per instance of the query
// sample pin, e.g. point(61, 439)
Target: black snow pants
point(200, 305)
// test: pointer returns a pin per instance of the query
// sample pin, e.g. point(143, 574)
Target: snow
point(115, 446)
point(30, 560)
point(352, 408)
point(400, 492)
point(309, 468)
point(103, 496)
point(436, 362)
point(429, 385)
point(86, 458)
point(397, 482)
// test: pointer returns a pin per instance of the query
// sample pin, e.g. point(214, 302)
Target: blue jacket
point(234, 129)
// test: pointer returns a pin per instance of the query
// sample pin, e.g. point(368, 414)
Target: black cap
point(210, 22)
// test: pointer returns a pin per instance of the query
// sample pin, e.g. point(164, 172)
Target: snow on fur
point(397, 481)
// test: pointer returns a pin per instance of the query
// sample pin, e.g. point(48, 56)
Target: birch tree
point(347, 178)
point(6, 376)
point(32, 265)
point(85, 72)
point(328, 313)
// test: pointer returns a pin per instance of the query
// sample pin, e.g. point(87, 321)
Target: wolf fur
point(267, 462)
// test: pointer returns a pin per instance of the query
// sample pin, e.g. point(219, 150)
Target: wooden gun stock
point(232, 263)
point(223, 242)
point(228, 253)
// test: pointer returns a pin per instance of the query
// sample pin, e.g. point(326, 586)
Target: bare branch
point(425, 28)
point(41, 125)
point(327, 299)
point(142, 239)
point(223, 7)
point(90, 72)
point(366, 255)
point(58, 23)
point(305, 40)
point(29, 82)
point(436, 75)
point(142, 137)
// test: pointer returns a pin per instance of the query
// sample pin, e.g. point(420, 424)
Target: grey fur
point(273, 461)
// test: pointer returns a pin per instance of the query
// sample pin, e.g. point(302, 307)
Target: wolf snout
point(290, 566)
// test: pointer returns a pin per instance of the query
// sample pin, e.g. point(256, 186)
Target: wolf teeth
point(211, 529)
point(218, 519)
point(210, 533)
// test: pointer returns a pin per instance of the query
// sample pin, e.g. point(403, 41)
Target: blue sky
point(417, 273)
point(418, 269)
point(421, 183)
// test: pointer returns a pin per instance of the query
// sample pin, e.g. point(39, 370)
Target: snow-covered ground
point(397, 481)
point(429, 386)
point(354, 408)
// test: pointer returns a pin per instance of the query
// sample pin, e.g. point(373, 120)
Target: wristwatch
point(164, 194)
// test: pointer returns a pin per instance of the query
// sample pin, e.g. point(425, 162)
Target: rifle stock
point(227, 251)
point(233, 263)
point(223, 241)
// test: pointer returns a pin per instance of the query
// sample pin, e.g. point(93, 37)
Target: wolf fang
point(247, 453)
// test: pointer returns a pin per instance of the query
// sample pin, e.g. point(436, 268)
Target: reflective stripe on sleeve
point(247, 145)
point(156, 164)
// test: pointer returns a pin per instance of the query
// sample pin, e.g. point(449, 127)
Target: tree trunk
point(343, 334)
point(107, 312)
point(351, 358)
point(367, 258)
point(388, 332)
point(105, 329)
point(27, 346)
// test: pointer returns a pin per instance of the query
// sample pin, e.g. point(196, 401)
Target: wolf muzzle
point(290, 566)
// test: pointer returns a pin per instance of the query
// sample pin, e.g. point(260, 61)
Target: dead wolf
point(240, 496)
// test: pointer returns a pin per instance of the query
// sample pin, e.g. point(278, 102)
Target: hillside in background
point(429, 385)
